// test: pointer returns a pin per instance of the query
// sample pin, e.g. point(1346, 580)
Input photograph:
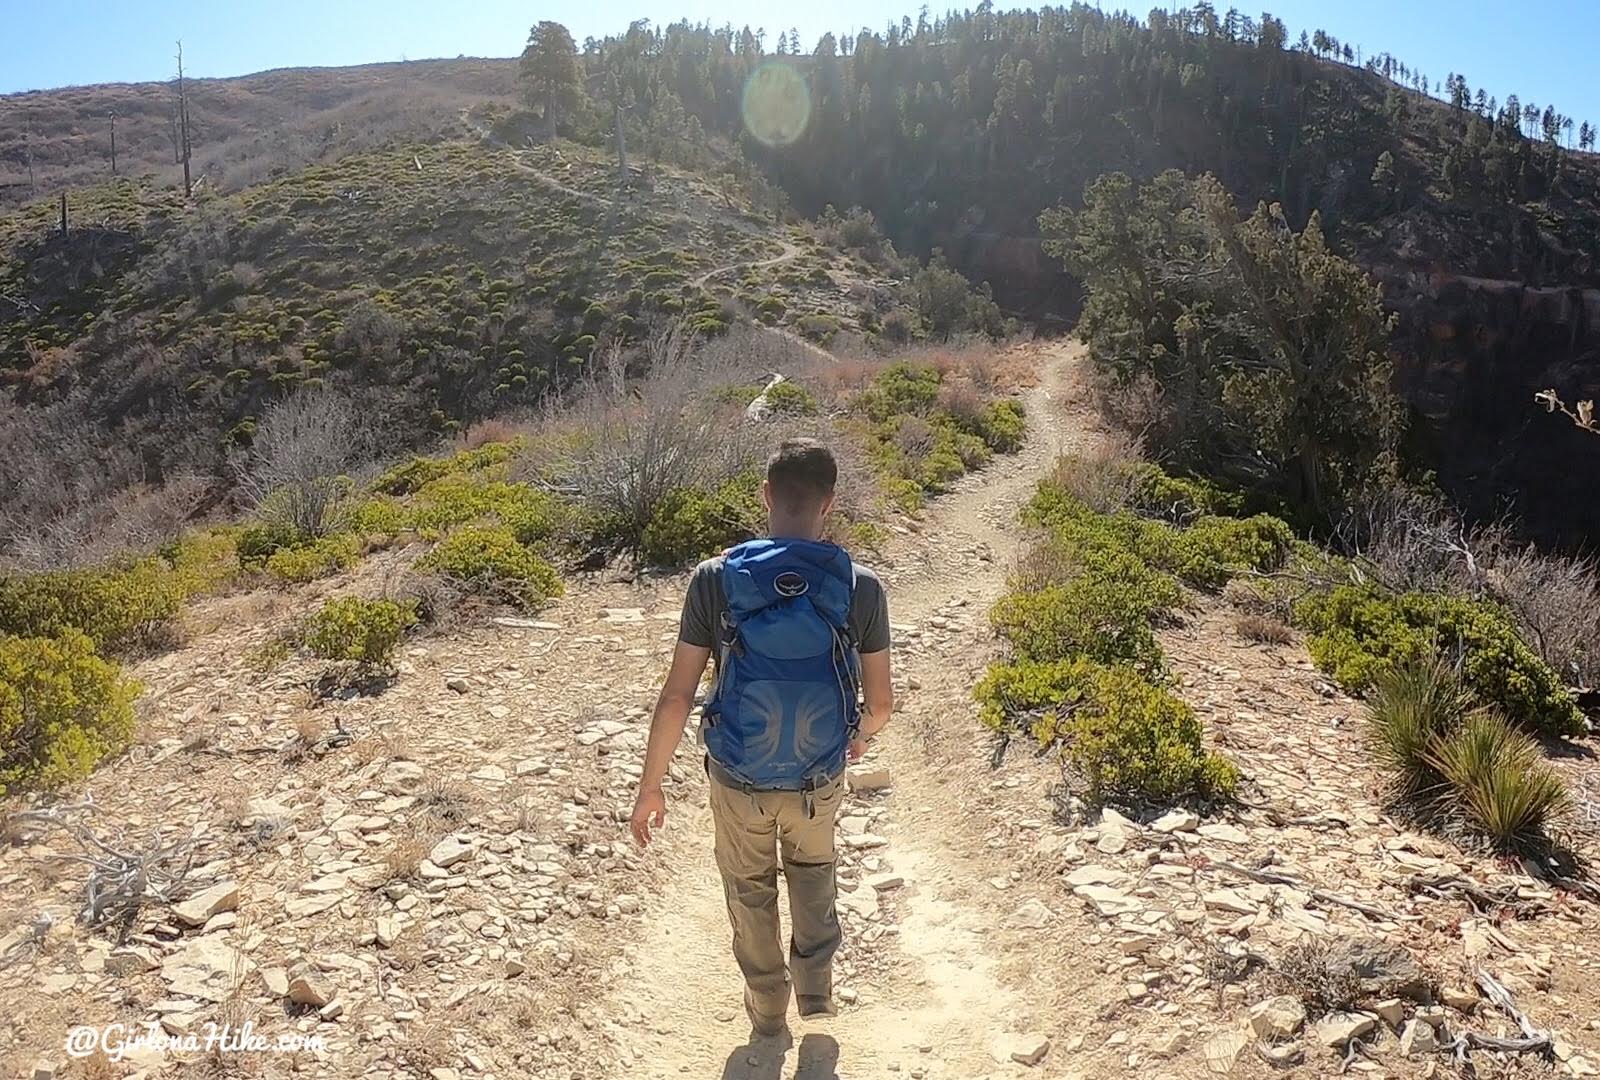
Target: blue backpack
point(785, 705)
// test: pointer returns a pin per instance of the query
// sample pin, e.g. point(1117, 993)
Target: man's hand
point(649, 811)
point(857, 748)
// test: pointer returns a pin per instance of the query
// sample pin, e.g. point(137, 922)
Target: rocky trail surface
point(435, 881)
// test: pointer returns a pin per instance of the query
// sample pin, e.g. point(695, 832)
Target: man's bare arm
point(666, 731)
point(877, 690)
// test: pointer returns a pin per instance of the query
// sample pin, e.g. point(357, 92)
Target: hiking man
point(801, 635)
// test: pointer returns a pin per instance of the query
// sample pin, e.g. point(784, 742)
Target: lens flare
point(776, 104)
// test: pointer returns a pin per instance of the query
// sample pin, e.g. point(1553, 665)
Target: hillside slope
point(243, 130)
point(444, 283)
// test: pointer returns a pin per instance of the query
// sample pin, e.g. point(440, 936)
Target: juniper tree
point(549, 72)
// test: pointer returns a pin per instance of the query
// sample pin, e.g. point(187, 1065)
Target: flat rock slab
point(205, 967)
point(1019, 1048)
point(1094, 874)
point(449, 851)
point(199, 908)
point(1108, 901)
point(865, 778)
point(1033, 915)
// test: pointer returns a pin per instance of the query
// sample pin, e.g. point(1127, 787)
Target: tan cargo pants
point(753, 831)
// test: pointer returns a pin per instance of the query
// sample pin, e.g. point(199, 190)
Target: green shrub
point(1128, 739)
point(902, 387)
point(1356, 633)
point(1104, 613)
point(62, 709)
point(818, 328)
point(1214, 549)
point(789, 398)
point(690, 523)
point(1498, 780)
point(1206, 554)
point(1002, 426)
point(488, 559)
point(407, 477)
point(411, 476)
point(1179, 499)
point(459, 498)
point(364, 631)
point(904, 495)
point(377, 515)
point(260, 541)
point(117, 608)
point(317, 559)
point(204, 562)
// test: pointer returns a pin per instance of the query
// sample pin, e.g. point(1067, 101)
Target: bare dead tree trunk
point(622, 145)
point(63, 215)
point(183, 126)
point(27, 149)
point(113, 115)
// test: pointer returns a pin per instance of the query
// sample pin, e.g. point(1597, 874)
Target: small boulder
point(865, 778)
point(402, 778)
point(1391, 1011)
point(199, 908)
point(1278, 1018)
point(1384, 970)
point(1222, 1051)
point(1282, 1055)
point(1032, 915)
point(308, 987)
point(1176, 821)
point(1231, 900)
point(449, 851)
point(1338, 1028)
point(1094, 875)
point(1108, 901)
point(1418, 1037)
point(1020, 1048)
point(131, 960)
point(1458, 999)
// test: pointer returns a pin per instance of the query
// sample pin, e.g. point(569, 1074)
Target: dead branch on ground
point(120, 881)
point(1272, 877)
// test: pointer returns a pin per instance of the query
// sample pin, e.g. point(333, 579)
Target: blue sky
point(1541, 50)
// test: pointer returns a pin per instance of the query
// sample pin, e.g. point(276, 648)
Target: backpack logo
point(790, 583)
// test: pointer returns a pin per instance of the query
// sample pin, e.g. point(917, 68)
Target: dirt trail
point(934, 996)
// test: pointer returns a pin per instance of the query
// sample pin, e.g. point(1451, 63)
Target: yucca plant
point(1499, 781)
point(1414, 705)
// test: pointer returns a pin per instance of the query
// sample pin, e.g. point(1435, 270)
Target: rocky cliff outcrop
point(1474, 351)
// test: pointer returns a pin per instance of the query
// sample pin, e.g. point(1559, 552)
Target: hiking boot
point(812, 1005)
point(763, 1023)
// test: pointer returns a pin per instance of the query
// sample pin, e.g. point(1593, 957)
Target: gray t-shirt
point(705, 603)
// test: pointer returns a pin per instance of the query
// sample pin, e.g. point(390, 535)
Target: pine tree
point(549, 72)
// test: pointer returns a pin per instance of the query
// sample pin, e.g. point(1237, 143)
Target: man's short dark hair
point(801, 473)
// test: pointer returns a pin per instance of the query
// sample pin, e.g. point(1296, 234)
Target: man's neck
point(781, 528)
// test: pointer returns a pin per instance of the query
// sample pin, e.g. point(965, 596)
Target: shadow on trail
point(762, 1058)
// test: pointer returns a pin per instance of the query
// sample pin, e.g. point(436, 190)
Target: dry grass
point(527, 813)
point(485, 432)
point(430, 1044)
point(445, 800)
point(1043, 561)
point(402, 858)
point(1102, 479)
point(1263, 629)
point(1556, 598)
point(310, 729)
point(1306, 970)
